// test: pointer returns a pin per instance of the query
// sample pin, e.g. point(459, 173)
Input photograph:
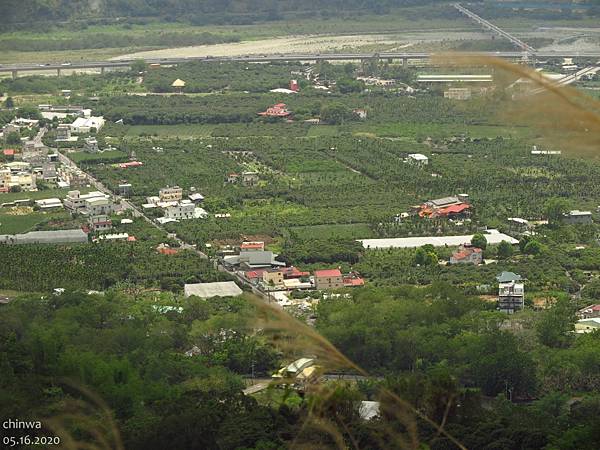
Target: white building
point(49, 203)
point(115, 237)
point(458, 93)
point(98, 206)
point(184, 210)
point(492, 237)
point(418, 159)
point(361, 113)
point(196, 198)
point(45, 237)
point(590, 325)
point(87, 124)
point(77, 203)
point(72, 177)
point(209, 290)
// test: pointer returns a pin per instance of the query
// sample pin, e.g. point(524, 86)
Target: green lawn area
point(11, 294)
point(349, 231)
point(323, 130)
point(110, 155)
point(412, 131)
point(170, 130)
point(13, 224)
point(36, 195)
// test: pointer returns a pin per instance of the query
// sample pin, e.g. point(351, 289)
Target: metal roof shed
point(52, 237)
point(209, 290)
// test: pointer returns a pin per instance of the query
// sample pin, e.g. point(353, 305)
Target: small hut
point(178, 85)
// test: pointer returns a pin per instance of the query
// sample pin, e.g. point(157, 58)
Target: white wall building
point(98, 206)
point(184, 210)
point(418, 159)
point(76, 202)
point(86, 124)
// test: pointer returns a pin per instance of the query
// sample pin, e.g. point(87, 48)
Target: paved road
point(566, 80)
point(38, 137)
point(256, 388)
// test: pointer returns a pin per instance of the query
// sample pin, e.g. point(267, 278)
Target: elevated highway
point(568, 79)
point(308, 57)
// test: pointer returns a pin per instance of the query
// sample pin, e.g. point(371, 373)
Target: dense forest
point(117, 364)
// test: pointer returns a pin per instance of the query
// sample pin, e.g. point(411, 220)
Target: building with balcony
point(170, 194)
point(511, 292)
point(183, 210)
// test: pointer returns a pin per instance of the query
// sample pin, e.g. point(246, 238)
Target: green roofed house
point(507, 277)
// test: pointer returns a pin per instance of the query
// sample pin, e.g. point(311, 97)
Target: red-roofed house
point(454, 210)
point(328, 279)
point(164, 249)
point(131, 164)
point(353, 281)
point(255, 274)
point(445, 207)
point(252, 246)
point(589, 312)
point(293, 272)
point(467, 255)
point(278, 110)
point(8, 152)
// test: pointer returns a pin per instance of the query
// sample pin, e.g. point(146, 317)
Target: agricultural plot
point(335, 182)
point(102, 264)
point(330, 180)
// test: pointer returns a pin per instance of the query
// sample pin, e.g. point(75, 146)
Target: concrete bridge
point(500, 32)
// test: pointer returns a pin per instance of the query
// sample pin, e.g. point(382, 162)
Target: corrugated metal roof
point(208, 290)
point(493, 237)
point(51, 237)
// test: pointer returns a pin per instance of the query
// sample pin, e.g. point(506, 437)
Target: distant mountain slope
point(19, 11)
